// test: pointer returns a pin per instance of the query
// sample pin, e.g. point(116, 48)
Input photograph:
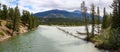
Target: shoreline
point(3, 38)
point(103, 47)
point(6, 32)
point(23, 30)
point(97, 44)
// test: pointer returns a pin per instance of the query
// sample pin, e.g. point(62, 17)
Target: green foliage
point(9, 25)
point(114, 34)
point(114, 39)
point(103, 37)
point(108, 39)
point(29, 20)
point(110, 33)
point(16, 20)
point(11, 13)
point(1, 33)
point(61, 21)
point(106, 20)
point(0, 13)
point(116, 15)
point(98, 17)
point(4, 12)
point(25, 17)
point(33, 22)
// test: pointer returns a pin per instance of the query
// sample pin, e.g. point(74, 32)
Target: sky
point(35, 6)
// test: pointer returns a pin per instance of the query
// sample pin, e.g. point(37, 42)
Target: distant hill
point(54, 16)
point(60, 13)
point(61, 17)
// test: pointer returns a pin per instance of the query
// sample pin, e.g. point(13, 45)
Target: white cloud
point(43, 5)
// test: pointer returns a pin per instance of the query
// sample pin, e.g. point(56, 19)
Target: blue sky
point(35, 6)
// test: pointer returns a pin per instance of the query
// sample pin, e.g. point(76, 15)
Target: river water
point(46, 39)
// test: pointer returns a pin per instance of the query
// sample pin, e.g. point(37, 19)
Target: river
point(46, 39)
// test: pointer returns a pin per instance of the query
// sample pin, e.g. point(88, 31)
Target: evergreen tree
point(16, 21)
point(116, 14)
point(114, 38)
point(93, 19)
point(11, 13)
point(25, 17)
point(104, 22)
point(29, 20)
point(0, 11)
point(84, 10)
point(109, 20)
point(4, 12)
point(35, 22)
point(98, 19)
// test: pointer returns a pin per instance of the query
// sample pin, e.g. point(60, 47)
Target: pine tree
point(16, 20)
point(84, 10)
point(26, 19)
point(116, 14)
point(0, 11)
point(93, 19)
point(30, 22)
point(11, 13)
point(104, 22)
point(35, 22)
point(4, 12)
point(98, 19)
point(114, 38)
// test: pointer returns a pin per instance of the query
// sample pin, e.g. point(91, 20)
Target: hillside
point(64, 13)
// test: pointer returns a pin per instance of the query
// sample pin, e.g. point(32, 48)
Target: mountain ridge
point(57, 12)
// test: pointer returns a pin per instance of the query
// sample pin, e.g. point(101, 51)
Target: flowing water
point(46, 39)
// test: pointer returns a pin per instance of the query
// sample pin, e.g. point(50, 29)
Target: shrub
point(114, 38)
point(1, 34)
point(9, 25)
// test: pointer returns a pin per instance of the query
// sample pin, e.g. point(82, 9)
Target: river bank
point(5, 32)
point(97, 42)
point(103, 45)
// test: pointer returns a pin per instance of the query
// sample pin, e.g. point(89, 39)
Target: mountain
point(59, 12)
point(54, 15)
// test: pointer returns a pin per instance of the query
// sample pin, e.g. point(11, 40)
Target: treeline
point(61, 21)
point(109, 35)
point(15, 19)
point(64, 21)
